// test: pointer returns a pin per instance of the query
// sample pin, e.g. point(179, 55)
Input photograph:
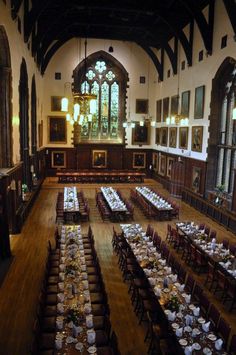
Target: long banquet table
point(162, 208)
point(74, 322)
point(212, 250)
point(186, 324)
point(116, 205)
point(113, 176)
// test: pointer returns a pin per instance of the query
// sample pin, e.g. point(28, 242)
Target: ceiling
point(51, 23)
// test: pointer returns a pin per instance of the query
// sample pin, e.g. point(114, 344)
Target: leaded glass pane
point(110, 75)
point(100, 66)
point(85, 129)
point(95, 119)
point(90, 74)
point(85, 87)
point(114, 123)
point(104, 109)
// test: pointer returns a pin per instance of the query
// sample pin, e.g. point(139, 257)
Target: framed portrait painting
point(183, 137)
point(162, 165)
point(199, 102)
point(142, 106)
point(158, 110)
point(197, 134)
point(141, 134)
point(155, 161)
point(165, 108)
point(172, 137)
point(56, 103)
point(99, 159)
point(174, 105)
point(158, 136)
point(164, 136)
point(58, 159)
point(139, 160)
point(170, 162)
point(57, 129)
point(185, 100)
point(196, 179)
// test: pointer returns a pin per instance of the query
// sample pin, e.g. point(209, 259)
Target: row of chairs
point(45, 321)
point(140, 293)
point(84, 209)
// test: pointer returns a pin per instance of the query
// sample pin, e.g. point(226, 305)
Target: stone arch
point(5, 102)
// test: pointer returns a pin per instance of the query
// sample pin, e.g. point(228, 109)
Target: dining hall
point(117, 177)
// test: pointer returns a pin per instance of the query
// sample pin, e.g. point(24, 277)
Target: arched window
point(227, 143)
point(107, 79)
point(5, 102)
point(221, 162)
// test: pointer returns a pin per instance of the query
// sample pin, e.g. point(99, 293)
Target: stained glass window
point(105, 79)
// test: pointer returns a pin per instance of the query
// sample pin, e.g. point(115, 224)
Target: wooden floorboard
point(20, 288)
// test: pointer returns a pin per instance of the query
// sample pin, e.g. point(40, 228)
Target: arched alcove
point(5, 102)
point(24, 122)
point(222, 129)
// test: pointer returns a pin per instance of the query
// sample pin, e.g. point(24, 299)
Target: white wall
point(19, 50)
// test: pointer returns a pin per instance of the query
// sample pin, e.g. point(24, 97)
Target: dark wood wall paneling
point(190, 164)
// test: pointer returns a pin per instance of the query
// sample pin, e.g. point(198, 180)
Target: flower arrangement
point(173, 304)
point(74, 315)
point(71, 268)
point(24, 188)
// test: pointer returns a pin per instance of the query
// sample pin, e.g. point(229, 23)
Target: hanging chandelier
point(84, 103)
point(177, 120)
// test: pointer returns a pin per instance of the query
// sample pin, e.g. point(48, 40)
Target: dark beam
point(156, 62)
point(15, 7)
point(172, 54)
point(230, 6)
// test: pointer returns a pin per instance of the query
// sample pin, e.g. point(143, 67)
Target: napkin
point(89, 321)
point(84, 275)
point(157, 291)
point(188, 350)
point(60, 297)
point(171, 316)
point(91, 336)
point(58, 343)
point(196, 311)
point(75, 330)
point(59, 322)
point(179, 332)
point(181, 287)
point(60, 308)
point(152, 281)
point(62, 267)
point(61, 276)
point(174, 278)
point(147, 272)
point(61, 286)
point(187, 298)
point(168, 271)
point(188, 320)
point(87, 308)
point(195, 332)
point(218, 344)
point(206, 326)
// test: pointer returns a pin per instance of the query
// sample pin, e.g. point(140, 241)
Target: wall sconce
point(110, 49)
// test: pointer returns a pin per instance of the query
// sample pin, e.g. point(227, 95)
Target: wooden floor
point(20, 289)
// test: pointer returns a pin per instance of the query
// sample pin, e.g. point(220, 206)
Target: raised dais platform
point(108, 176)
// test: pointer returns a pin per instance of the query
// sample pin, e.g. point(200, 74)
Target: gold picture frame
point(58, 159)
point(197, 135)
point(183, 137)
point(142, 106)
point(139, 160)
point(170, 162)
point(57, 130)
point(158, 136)
point(164, 136)
point(162, 165)
point(141, 134)
point(155, 157)
point(56, 103)
point(99, 159)
point(172, 137)
point(196, 178)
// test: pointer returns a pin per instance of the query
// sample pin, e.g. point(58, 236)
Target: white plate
point(175, 325)
point(196, 346)
point(92, 350)
point(201, 320)
point(69, 340)
point(183, 342)
point(207, 351)
point(197, 331)
point(212, 337)
point(166, 290)
point(187, 329)
point(191, 306)
point(79, 346)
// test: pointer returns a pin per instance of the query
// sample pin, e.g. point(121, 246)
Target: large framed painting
point(158, 136)
point(199, 102)
point(162, 165)
point(164, 136)
point(58, 159)
point(183, 137)
point(165, 108)
point(56, 103)
point(141, 134)
point(170, 162)
point(196, 179)
point(197, 134)
point(155, 161)
point(174, 105)
point(57, 129)
point(139, 160)
point(172, 137)
point(99, 158)
point(158, 110)
point(185, 100)
point(142, 106)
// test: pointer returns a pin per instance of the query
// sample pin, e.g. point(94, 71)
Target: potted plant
point(24, 189)
point(220, 191)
